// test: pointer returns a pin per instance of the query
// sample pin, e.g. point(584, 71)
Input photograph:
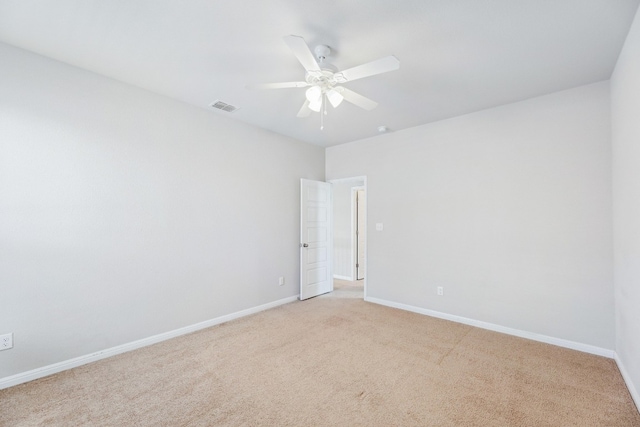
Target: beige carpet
point(332, 361)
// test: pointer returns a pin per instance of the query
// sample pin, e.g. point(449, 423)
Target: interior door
point(316, 238)
point(361, 234)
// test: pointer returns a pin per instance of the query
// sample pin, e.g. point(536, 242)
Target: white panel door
point(316, 238)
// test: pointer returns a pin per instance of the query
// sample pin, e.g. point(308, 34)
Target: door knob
point(304, 245)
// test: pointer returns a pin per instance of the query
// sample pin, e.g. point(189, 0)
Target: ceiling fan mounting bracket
point(322, 51)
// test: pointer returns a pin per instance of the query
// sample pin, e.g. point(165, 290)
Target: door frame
point(354, 227)
point(364, 187)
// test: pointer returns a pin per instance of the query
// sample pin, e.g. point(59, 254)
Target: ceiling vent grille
point(223, 106)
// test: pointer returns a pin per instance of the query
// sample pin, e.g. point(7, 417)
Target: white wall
point(625, 108)
point(124, 214)
point(509, 209)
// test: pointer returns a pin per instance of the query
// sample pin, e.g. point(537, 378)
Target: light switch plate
point(379, 226)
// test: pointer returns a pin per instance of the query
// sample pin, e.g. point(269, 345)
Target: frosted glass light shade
point(335, 98)
point(316, 105)
point(314, 94)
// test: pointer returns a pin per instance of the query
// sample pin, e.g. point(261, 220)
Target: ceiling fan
point(323, 79)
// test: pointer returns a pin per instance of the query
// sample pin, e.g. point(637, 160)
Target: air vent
point(223, 106)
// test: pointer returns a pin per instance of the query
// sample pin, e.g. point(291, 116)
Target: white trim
point(103, 354)
point(627, 379)
point(352, 234)
point(366, 238)
point(354, 226)
point(339, 277)
point(586, 348)
point(348, 179)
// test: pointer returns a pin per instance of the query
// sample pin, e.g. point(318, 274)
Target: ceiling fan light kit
point(335, 97)
point(323, 79)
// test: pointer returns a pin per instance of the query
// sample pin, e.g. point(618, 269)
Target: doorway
point(360, 231)
point(349, 236)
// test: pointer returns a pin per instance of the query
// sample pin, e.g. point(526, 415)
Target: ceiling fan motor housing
point(327, 76)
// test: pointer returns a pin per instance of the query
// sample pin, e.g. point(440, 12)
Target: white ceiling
point(456, 56)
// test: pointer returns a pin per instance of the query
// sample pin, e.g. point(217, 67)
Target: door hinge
point(357, 265)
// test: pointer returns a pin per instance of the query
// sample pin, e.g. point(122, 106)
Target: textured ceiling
point(456, 56)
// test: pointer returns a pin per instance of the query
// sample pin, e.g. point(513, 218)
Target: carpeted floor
point(332, 361)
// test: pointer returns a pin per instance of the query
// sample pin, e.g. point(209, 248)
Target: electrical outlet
point(6, 341)
point(440, 290)
point(281, 281)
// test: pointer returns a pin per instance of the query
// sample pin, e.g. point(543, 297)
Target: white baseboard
point(337, 276)
point(627, 379)
point(103, 354)
point(586, 348)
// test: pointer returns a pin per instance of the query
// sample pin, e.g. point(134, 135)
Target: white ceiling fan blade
point(305, 110)
point(282, 85)
point(357, 99)
point(379, 66)
point(300, 49)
